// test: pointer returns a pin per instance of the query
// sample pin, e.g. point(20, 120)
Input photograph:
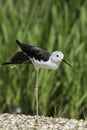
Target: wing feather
point(36, 52)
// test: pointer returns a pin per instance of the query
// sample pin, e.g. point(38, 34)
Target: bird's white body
point(53, 62)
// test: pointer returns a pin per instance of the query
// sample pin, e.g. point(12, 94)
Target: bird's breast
point(44, 64)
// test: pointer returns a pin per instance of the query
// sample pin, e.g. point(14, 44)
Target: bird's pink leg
point(36, 92)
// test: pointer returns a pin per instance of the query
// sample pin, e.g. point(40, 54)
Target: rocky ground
point(23, 122)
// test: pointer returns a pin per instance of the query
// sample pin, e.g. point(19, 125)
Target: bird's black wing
point(35, 52)
point(18, 58)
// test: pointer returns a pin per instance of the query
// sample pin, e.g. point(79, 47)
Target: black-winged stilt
point(40, 58)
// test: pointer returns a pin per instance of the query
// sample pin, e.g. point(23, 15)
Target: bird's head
point(57, 57)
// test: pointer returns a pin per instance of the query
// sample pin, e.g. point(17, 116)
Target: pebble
point(23, 122)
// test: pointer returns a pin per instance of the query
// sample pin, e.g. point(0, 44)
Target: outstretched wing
point(18, 58)
point(33, 51)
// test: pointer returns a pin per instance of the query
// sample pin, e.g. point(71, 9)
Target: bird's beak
point(66, 62)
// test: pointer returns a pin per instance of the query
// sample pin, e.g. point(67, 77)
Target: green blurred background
point(52, 25)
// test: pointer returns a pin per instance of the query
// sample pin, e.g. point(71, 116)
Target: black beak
point(66, 62)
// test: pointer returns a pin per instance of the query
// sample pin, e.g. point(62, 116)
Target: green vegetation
point(52, 25)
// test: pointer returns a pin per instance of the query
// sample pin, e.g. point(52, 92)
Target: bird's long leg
point(36, 92)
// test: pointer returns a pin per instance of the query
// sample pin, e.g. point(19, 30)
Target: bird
point(40, 58)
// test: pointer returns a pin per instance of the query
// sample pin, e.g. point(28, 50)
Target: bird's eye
point(57, 55)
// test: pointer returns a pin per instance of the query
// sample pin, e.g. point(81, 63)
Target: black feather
point(6, 63)
point(32, 51)
point(18, 58)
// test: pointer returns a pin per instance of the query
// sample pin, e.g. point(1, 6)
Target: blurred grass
point(52, 25)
